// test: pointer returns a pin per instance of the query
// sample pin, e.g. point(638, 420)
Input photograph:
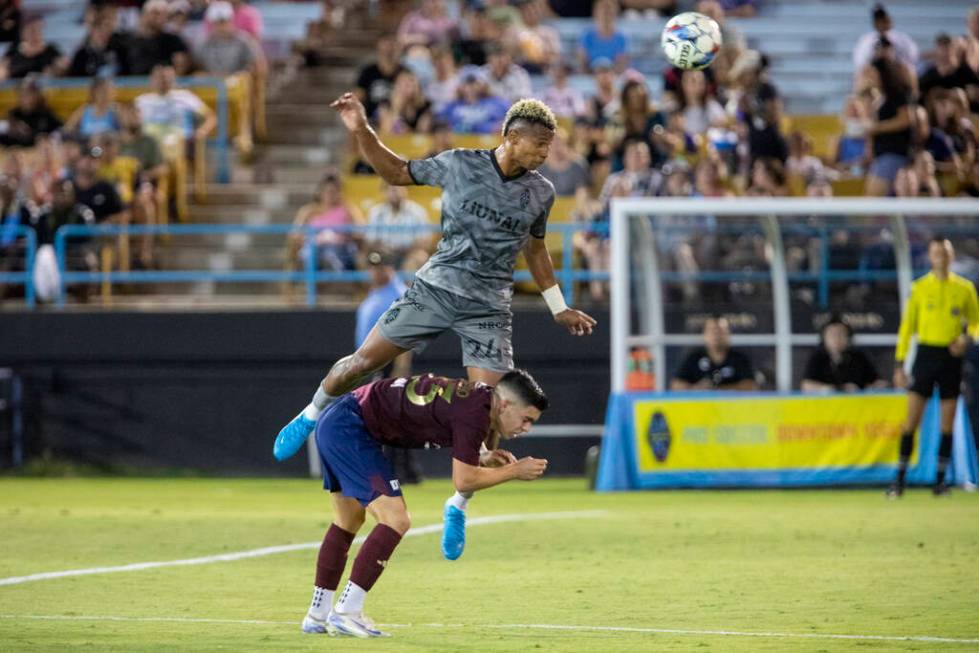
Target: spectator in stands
point(644, 181)
point(538, 45)
point(700, 109)
point(715, 366)
point(407, 111)
point(30, 117)
point(375, 81)
point(246, 18)
point(227, 50)
point(441, 90)
point(334, 249)
point(836, 366)
point(672, 141)
point(677, 181)
point(475, 111)
point(168, 112)
point(603, 40)
point(408, 241)
point(97, 194)
point(635, 120)
point(564, 100)
point(123, 172)
point(851, 147)
point(100, 114)
point(759, 107)
point(427, 25)
point(103, 52)
point(564, 168)
point(709, 177)
point(891, 132)
point(476, 32)
point(937, 143)
point(819, 185)
point(441, 137)
point(32, 54)
point(801, 163)
point(924, 168)
point(948, 110)
point(767, 178)
point(10, 21)
point(151, 45)
point(142, 147)
point(593, 242)
point(865, 49)
point(949, 70)
point(604, 104)
point(506, 79)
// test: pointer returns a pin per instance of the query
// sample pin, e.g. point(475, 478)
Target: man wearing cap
point(227, 50)
point(904, 45)
point(475, 111)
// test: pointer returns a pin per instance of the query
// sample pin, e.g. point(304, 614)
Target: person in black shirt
point(32, 54)
point(10, 20)
point(891, 132)
point(948, 71)
point(104, 52)
point(151, 45)
point(715, 366)
point(98, 195)
point(835, 366)
point(760, 107)
point(30, 117)
point(375, 81)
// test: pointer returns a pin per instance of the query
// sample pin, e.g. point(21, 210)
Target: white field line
point(559, 627)
point(287, 548)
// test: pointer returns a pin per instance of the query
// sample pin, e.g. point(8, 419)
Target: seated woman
point(835, 366)
point(407, 111)
point(100, 114)
point(335, 250)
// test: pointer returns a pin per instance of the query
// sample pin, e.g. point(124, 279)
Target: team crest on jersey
point(392, 315)
point(658, 436)
point(524, 198)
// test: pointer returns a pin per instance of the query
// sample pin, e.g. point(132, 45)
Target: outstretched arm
point(542, 269)
point(391, 167)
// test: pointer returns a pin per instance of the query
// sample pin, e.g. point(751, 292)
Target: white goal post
point(628, 225)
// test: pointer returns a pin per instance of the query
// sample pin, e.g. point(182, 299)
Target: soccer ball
point(691, 40)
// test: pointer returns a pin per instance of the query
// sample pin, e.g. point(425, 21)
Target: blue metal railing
point(220, 141)
point(310, 274)
point(25, 278)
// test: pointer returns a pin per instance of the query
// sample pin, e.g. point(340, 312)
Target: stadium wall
point(208, 391)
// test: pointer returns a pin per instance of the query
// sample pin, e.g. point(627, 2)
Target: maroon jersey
point(428, 411)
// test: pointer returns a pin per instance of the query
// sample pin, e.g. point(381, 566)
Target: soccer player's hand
point(529, 469)
point(578, 322)
point(900, 377)
point(351, 111)
point(496, 458)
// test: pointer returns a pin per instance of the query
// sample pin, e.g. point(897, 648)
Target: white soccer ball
point(691, 40)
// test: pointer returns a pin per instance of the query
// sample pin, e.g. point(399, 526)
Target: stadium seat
point(822, 129)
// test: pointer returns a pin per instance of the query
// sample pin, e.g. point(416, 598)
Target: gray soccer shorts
point(426, 311)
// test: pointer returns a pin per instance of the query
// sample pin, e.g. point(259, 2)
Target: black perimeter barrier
point(208, 391)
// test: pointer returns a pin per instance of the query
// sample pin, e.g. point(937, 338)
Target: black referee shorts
point(936, 366)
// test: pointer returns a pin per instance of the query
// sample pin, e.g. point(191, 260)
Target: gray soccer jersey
point(486, 220)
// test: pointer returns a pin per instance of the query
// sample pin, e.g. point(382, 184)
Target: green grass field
point(805, 564)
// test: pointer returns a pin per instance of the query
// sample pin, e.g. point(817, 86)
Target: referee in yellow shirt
point(943, 313)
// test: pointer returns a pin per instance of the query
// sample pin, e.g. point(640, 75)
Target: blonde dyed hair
point(531, 110)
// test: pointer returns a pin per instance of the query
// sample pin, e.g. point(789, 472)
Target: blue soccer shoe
point(453, 532)
point(292, 437)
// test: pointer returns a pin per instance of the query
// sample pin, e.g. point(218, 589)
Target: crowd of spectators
point(110, 161)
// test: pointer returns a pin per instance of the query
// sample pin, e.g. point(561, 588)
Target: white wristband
point(555, 299)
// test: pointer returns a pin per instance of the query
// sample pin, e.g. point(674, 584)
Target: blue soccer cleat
point(292, 437)
point(313, 626)
point(453, 532)
point(353, 625)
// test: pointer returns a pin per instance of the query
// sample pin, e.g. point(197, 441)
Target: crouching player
point(419, 412)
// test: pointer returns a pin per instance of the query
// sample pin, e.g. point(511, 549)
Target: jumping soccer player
point(941, 312)
point(422, 411)
point(494, 205)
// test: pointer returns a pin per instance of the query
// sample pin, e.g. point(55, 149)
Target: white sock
point(459, 500)
point(352, 599)
point(319, 607)
point(319, 403)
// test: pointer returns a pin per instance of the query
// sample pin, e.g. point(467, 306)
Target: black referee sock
point(907, 446)
point(944, 455)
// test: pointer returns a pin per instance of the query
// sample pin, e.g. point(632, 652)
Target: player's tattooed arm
point(391, 167)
